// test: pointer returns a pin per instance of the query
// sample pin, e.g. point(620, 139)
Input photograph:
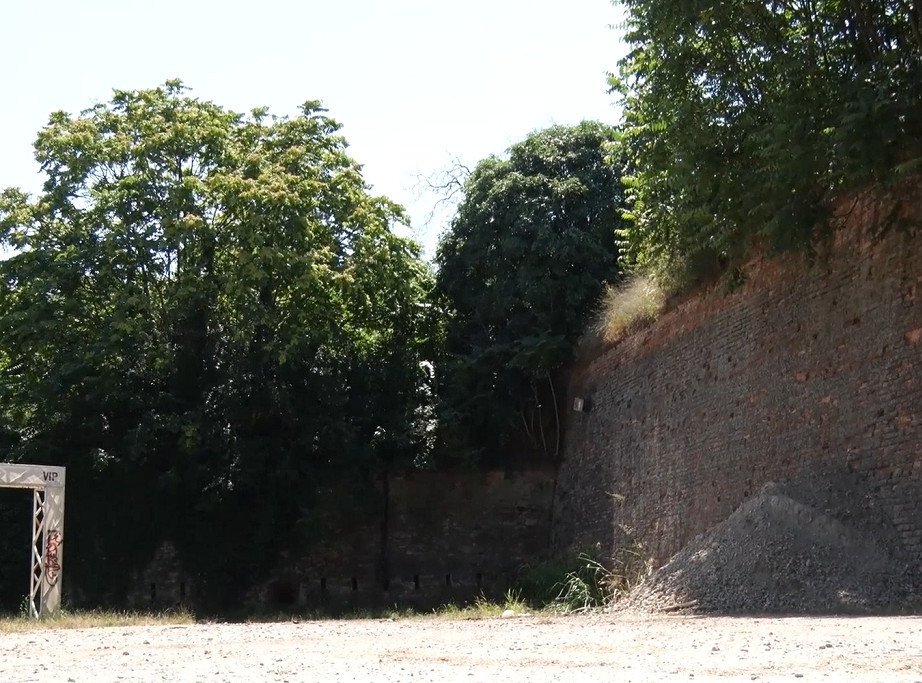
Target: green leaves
point(526, 256)
point(744, 120)
point(215, 303)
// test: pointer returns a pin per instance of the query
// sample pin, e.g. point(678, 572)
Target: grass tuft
point(585, 580)
point(636, 300)
point(94, 619)
point(486, 609)
point(596, 584)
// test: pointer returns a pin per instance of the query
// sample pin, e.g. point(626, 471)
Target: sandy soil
point(587, 648)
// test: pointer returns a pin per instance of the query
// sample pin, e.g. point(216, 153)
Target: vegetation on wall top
point(743, 120)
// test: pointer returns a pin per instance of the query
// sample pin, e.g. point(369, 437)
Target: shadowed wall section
point(444, 537)
point(447, 537)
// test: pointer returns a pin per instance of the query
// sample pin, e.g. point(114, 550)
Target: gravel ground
point(599, 647)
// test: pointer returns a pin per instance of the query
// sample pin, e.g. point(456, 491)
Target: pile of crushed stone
point(811, 546)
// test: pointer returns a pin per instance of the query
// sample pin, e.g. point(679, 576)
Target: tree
point(206, 318)
point(745, 120)
point(525, 259)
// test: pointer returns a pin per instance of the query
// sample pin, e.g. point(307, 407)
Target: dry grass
point(480, 609)
point(484, 609)
point(94, 619)
point(636, 300)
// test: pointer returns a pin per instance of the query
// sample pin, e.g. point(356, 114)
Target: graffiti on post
point(52, 566)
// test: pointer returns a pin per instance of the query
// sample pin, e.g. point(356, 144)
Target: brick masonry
point(446, 537)
point(449, 537)
point(808, 368)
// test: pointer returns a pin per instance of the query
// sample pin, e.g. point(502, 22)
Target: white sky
point(414, 82)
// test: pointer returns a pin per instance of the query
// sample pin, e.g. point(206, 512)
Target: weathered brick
point(806, 369)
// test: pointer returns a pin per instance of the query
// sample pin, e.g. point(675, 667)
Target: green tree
point(525, 259)
point(745, 120)
point(207, 317)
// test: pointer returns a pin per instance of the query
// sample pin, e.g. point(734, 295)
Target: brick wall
point(809, 368)
point(449, 537)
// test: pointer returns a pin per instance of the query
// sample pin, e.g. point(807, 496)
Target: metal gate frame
point(47, 556)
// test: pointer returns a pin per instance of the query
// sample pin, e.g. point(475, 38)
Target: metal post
point(38, 537)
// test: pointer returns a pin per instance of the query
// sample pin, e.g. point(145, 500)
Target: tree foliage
point(524, 260)
point(746, 118)
point(207, 317)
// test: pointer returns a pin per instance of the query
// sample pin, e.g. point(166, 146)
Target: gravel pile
point(811, 546)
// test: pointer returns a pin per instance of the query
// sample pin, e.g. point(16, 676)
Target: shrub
point(584, 581)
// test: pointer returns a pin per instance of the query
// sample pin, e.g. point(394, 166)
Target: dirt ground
point(600, 647)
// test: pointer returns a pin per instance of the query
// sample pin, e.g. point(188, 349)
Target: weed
point(513, 602)
point(622, 307)
point(629, 569)
point(484, 609)
point(585, 588)
point(584, 581)
point(539, 584)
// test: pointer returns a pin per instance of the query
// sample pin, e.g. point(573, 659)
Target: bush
point(581, 582)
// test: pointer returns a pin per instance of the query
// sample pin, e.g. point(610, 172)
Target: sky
point(415, 83)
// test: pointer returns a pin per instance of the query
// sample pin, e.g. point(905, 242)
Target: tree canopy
point(744, 120)
point(206, 316)
point(523, 262)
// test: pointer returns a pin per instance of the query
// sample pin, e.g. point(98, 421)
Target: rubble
point(814, 546)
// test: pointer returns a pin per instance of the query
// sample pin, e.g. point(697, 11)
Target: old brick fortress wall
point(808, 368)
point(441, 537)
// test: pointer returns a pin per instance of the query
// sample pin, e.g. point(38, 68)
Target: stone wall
point(807, 369)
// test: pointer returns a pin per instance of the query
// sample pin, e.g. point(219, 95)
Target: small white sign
point(31, 476)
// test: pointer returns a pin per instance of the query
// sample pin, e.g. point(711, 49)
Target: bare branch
point(446, 185)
